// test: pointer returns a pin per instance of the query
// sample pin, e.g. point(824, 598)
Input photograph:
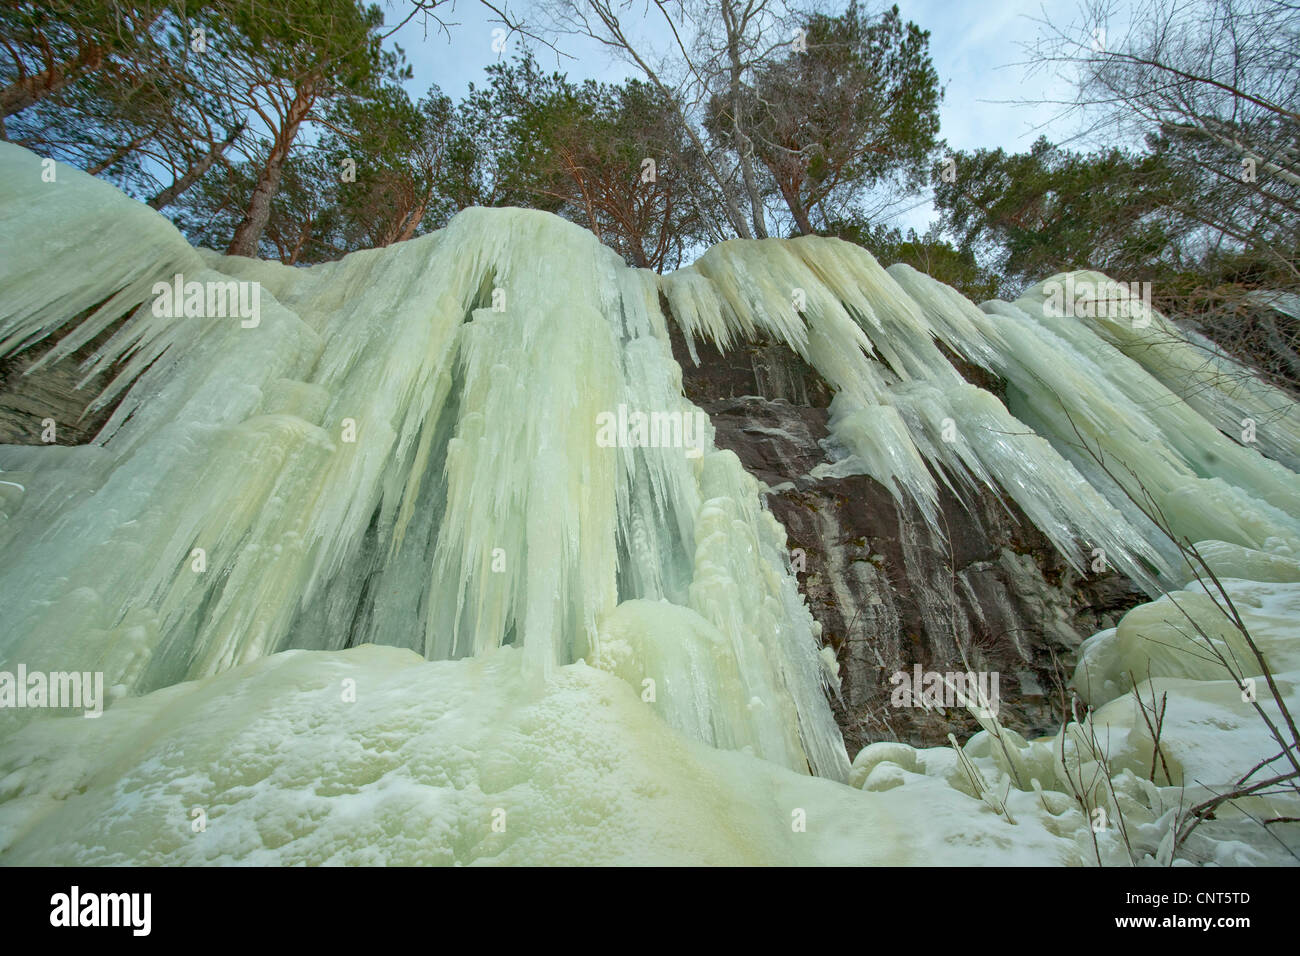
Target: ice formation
point(367, 582)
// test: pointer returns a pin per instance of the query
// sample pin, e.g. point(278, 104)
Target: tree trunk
point(114, 157)
point(250, 229)
point(638, 253)
point(744, 145)
point(194, 173)
point(745, 149)
point(303, 235)
point(790, 193)
point(1200, 128)
point(751, 185)
point(413, 221)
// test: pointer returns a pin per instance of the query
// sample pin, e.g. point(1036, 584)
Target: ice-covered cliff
point(423, 555)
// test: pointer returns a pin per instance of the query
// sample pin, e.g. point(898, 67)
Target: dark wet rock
point(29, 399)
point(890, 591)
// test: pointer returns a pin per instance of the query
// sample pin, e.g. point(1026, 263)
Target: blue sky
point(975, 46)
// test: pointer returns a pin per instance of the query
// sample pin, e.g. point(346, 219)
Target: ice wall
point(406, 448)
point(402, 449)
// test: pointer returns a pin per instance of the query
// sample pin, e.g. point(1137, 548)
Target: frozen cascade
point(404, 450)
point(473, 507)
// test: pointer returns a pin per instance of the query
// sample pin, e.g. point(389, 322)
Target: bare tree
point(1216, 83)
point(1213, 88)
point(715, 48)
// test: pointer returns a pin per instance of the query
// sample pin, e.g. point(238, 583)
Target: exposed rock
point(27, 401)
point(889, 591)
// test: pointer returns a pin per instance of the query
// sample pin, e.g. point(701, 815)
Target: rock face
point(29, 402)
point(990, 594)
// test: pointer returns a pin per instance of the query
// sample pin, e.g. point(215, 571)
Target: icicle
point(467, 440)
point(474, 445)
point(478, 438)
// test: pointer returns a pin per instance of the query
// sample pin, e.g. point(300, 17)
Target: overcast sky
point(975, 46)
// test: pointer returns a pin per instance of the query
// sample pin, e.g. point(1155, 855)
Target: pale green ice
point(368, 589)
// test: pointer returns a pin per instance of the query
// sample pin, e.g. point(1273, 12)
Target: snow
point(418, 768)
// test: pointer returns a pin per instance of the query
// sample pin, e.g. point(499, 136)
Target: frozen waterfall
point(432, 532)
